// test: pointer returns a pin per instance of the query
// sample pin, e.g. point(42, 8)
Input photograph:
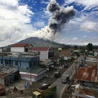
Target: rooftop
point(41, 48)
point(6, 71)
point(34, 70)
point(19, 45)
point(89, 73)
point(83, 92)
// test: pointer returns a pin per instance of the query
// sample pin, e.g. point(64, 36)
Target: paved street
point(70, 71)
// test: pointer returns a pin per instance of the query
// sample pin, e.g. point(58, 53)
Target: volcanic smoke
point(60, 15)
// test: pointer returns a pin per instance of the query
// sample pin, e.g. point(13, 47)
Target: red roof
point(40, 48)
point(85, 92)
point(89, 74)
point(19, 45)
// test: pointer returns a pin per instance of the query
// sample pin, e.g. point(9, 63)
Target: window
point(16, 62)
point(26, 49)
point(1, 61)
point(6, 62)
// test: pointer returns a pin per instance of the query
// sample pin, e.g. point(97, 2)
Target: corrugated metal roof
point(19, 45)
point(89, 74)
point(84, 93)
point(6, 71)
point(40, 48)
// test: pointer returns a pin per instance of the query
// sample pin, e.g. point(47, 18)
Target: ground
point(22, 93)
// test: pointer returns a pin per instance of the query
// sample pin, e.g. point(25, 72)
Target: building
point(88, 74)
point(25, 63)
point(83, 92)
point(87, 82)
point(21, 48)
point(20, 61)
point(8, 76)
point(44, 52)
point(33, 75)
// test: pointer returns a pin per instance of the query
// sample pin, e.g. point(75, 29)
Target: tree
point(75, 47)
point(90, 47)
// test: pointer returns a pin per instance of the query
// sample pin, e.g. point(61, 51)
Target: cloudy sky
point(20, 19)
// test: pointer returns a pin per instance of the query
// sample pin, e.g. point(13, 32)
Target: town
point(47, 72)
point(48, 49)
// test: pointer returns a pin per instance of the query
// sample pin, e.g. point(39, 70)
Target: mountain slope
point(37, 42)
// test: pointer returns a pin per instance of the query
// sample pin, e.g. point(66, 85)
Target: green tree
point(75, 47)
point(89, 47)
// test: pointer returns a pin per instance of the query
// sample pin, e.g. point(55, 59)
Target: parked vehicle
point(2, 90)
point(46, 91)
point(65, 78)
point(57, 74)
point(65, 65)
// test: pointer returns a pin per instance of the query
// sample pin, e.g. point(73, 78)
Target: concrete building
point(25, 63)
point(33, 75)
point(44, 52)
point(20, 61)
point(21, 48)
point(8, 76)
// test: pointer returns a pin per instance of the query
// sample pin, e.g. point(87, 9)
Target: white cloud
point(77, 41)
point(89, 26)
point(74, 38)
point(83, 2)
point(39, 24)
point(14, 21)
point(24, 10)
point(44, 2)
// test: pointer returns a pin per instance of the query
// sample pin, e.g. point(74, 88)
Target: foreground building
point(87, 78)
point(25, 63)
point(8, 76)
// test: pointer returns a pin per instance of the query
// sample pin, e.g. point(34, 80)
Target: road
point(70, 71)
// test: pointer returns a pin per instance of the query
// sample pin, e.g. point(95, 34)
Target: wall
point(43, 55)
point(22, 62)
point(17, 49)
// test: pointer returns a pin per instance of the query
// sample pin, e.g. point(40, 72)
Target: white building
point(21, 47)
point(0, 50)
point(44, 52)
point(96, 53)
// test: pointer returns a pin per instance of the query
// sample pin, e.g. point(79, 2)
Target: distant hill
point(38, 42)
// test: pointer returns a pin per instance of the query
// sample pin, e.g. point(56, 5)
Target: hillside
point(37, 42)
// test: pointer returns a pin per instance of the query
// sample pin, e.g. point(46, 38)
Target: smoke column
point(60, 15)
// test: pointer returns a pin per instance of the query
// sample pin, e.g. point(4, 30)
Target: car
point(2, 90)
point(65, 65)
point(65, 79)
point(57, 74)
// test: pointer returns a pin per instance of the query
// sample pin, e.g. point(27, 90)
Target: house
point(21, 47)
point(83, 92)
point(0, 49)
point(87, 82)
point(8, 76)
point(19, 61)
point(33, 74)
point(44, 52)
point(88, 74)
point(25, 63)
point(95, 53)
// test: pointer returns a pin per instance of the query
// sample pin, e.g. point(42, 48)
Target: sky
point(20, 19)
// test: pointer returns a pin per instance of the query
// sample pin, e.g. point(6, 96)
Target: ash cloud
point(60, 15)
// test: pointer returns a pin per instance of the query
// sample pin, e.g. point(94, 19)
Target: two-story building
point(21, 47)
point(44, 52)
point(26, 63)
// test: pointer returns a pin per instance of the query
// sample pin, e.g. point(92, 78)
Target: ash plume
point(60, 15)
